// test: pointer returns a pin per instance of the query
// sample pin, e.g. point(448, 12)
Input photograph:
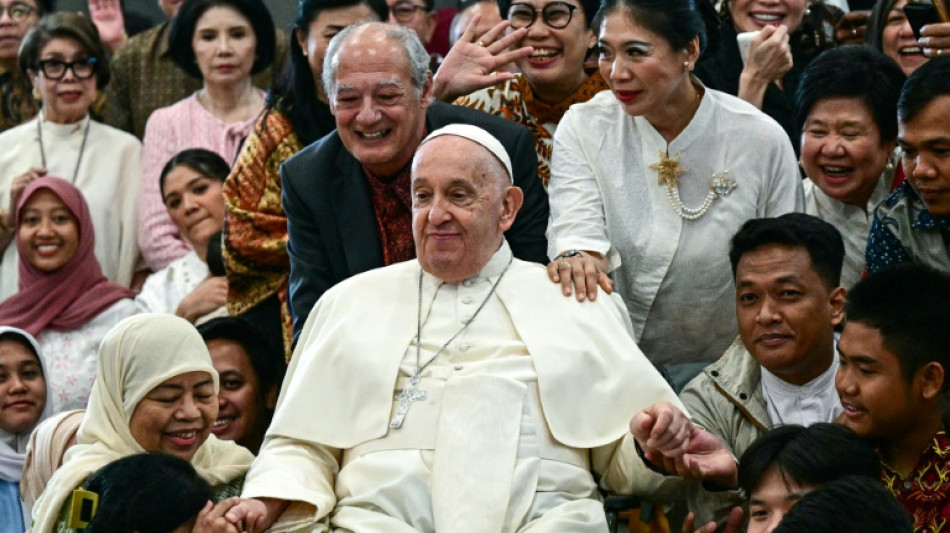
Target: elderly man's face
point(461, 205)
point(380, 114)
point(925, 143)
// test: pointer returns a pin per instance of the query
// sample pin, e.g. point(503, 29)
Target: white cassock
point(535, 395)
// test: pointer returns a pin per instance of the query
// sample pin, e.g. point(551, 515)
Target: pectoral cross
point(406, 397)
point(668, 169)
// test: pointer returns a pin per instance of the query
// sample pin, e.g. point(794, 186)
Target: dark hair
point(19, 338)
point(202, 161)
point(295, 93)
point(147, 493)
point(908, 305)
point(65, 25)
point(588, 9)
point(820, 239)
point(265, 355)
point(876, 23)
point(854, 504)
point(928, 82)
point(183, 30)
point(812, 456)
point(858, 72)
point(677, 21)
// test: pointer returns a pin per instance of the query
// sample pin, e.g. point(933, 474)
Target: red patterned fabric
point(393, 208)
point(925, 493)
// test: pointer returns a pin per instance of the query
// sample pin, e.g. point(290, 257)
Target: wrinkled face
point(842, 151)
point(242, 407)
point(48, 232)
point(176, 416)
point(898, 41)
point(170, 7)
point(224, 43)
point(771, 500)
point(195, 204)
point(413, 15)
point(327, 24)
point(461, 207)
point(13, 28)
point(785, 312)
point(22, 387)
point(925, 143)
point(556, 67)
point(874, 392)
point(753, 15)
point(67, 99)
point(643, 71)
point(380, 115)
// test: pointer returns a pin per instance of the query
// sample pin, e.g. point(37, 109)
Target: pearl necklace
point(668, 171)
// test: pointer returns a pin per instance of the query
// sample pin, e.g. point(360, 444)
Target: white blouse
point(673, 274)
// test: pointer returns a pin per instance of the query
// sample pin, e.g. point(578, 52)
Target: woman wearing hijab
point(156, 391)
point(50, 441)
point(24, 402)
point(64, 301)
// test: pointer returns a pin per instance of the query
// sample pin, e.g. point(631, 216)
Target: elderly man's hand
point(584, 272)
point(677, 446)
point(473, 61)
point(251, 515)
point(935, 39)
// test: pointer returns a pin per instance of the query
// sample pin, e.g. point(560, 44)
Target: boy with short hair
point(894, 356)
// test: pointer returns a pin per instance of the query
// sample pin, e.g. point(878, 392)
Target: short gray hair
point(415, 51)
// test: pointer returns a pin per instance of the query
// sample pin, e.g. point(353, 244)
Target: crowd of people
point(405, 269)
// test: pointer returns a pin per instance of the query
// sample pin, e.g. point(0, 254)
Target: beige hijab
point(138, 354)
point(44, 453)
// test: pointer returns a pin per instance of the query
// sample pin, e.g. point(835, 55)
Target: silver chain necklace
point(412, 393)
point(82, 147)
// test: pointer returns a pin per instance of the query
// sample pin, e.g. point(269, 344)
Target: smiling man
point(435, 395)
point(913, 224)
point(347, 196)
point(781, 369)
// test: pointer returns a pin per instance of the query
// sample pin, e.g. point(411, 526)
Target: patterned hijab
point(71, 296)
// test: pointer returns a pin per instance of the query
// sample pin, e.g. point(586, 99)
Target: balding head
point(462, 203)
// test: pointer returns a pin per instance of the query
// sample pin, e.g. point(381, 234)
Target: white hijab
point(137, 355)
point(13, 445)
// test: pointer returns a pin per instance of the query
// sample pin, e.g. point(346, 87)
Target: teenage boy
point(894, 355)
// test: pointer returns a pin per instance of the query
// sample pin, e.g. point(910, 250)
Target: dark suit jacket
point(330, 220)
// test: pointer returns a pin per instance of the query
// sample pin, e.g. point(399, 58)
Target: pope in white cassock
point(459, 391)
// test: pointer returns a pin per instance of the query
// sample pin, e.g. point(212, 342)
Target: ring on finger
point(854, 31)
point(481, 43)
point(563, 265)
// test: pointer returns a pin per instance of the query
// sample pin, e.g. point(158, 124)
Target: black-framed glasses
point(55, 69)
point(556, 14)
point(404, 11)
point(17, 11)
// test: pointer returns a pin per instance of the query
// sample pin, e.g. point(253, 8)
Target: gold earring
point(800, 164)
point(889, 166)
point(686, 66)
point(36, 94)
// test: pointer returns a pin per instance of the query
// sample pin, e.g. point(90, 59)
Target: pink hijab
point(71, 296)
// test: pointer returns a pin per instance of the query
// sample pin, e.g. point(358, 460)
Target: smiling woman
point(64, 299)
point(16, 18)
point(156, 390)
point(191, 185)
point(67, 65)
point(24, 402)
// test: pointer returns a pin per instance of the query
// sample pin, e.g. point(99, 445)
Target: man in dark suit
point(347, 196)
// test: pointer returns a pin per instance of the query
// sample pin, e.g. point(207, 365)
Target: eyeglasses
point(55, 69)
point(556, 15)
point(405, 11)
point(18, 12)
